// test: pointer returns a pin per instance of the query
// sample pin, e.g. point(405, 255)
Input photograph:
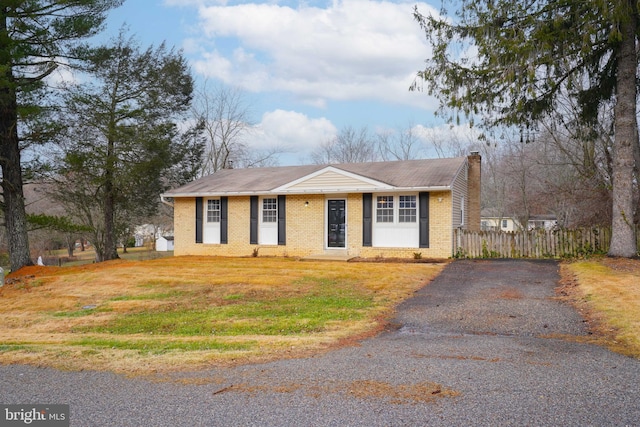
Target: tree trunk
point(623, 242)
point(110, 249)
point(71, 245)
point(14, 210)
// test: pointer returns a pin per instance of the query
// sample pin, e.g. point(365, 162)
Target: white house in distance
point(511, 224)
point(546, 222)
point(164, 243)
point(499, 223)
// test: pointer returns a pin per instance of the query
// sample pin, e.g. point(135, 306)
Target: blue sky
point(307, 69)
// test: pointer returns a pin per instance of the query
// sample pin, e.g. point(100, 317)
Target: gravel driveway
point(474, 347)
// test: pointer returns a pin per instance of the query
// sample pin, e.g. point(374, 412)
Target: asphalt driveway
point(483, 344)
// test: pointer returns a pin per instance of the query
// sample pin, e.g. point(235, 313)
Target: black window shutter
point(224, 220)
point(253, 215)
point(367, 214)
point(199, 213)
point(282, 220)
point(423, 205)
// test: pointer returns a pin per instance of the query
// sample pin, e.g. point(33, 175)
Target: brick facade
point(473, 191)
point(306, 228)
point(451, 187)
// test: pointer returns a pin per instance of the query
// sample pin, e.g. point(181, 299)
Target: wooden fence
point(559, 243)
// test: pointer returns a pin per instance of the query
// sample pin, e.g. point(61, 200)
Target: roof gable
point(332, 179)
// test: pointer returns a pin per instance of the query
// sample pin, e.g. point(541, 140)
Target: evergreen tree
point(123, 145)
point(34, 36)
point(509, 62)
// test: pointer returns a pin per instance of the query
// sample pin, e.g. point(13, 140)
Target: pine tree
point(34, 36)
point(509, 63)
point(123, 142)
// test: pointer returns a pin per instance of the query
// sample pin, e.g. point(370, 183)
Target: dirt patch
point(457, 357)
point(397, 394)
point(401, 260)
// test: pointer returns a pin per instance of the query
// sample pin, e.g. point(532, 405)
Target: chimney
point(474, 175)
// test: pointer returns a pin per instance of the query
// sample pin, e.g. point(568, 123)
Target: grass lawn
point(88, 256)
point(607, 292)
point(140, 317)
point(184, 313)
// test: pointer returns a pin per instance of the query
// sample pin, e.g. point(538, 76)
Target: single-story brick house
point(378, 209)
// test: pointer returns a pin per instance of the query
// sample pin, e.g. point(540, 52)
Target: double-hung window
point(384, 209)
point(407, 209)
point(213, 210)
point(269, 210)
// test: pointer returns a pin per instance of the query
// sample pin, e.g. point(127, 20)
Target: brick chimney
point(474, 175)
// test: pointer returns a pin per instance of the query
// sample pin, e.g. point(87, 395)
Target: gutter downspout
point(164, 200)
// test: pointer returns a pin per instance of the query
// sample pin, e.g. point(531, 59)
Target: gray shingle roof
point(430, 173)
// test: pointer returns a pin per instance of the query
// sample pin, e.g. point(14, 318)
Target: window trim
point(269, 206)
point(393, 214)
point(403, 210)
point(213, 216)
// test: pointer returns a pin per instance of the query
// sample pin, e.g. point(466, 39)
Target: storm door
point(336, 223)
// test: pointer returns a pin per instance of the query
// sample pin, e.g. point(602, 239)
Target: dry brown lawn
point(607, 292)
point(186, 313)
point(189, 313)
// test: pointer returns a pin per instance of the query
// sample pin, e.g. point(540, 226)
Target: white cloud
point(63, 75)
point(292, 132)
point(352, 49)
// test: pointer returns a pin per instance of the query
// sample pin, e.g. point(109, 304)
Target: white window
point(504, 223)
point(407, 209)
point(384, 209)
point(462, 210)
point(396, 221)
point(269, 210)
point(213, 210)
point(212, 225)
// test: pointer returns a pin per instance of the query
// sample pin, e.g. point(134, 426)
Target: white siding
point(331, 181)
point(459, 196)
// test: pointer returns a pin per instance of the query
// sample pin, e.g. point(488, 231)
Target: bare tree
point(563, 172)
point(349, 146)
point(450, 141)
point(577, 174)
point(401, 144)
point(224, 117)
point(494, 181)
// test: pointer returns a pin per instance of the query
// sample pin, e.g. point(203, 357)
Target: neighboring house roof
point(549, 217)
point(430, 174)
